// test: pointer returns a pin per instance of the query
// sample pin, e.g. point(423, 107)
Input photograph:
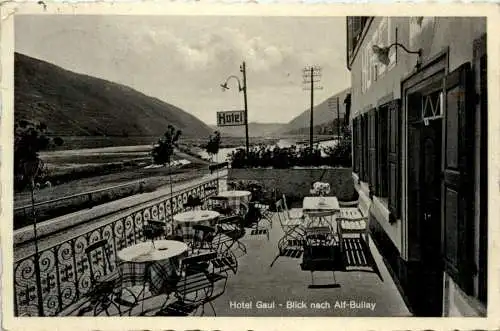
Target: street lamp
point(241, 87)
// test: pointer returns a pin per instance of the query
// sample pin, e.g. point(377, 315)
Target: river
point(119, 153)
point(283, 143)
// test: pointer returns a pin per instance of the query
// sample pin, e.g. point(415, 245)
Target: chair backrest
point(97, 256)
point(285, 205)
point(193, 201)
point(153, 230)
point(364, 207)
point(195, 259)
point(282, 214)
point(203, 228)
point(321, 213)
point(253, 214)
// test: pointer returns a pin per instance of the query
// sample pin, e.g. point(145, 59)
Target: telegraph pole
point(311, 75)
point(338, 120)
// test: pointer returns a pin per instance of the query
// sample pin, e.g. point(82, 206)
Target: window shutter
point(457, 200)
point(481, 83)
point(372, 151)
point(365, 148)
point(359, 149)
point(355, 145)
point(394, 180)
point(382, 151)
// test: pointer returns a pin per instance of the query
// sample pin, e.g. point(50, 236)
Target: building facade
point(419, 130)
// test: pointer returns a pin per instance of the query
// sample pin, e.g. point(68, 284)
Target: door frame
point(432, 70)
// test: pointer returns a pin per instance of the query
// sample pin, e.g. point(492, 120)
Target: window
point(383, 40)
point(368, 70)
point(386, 37)
point(355, 26)
point(371, 69)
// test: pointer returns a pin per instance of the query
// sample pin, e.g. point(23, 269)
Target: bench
point(354, 220)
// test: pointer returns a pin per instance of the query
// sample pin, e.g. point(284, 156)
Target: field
point(114, 171)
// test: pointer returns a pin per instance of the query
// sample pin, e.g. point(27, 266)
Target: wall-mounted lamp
point(382, 53)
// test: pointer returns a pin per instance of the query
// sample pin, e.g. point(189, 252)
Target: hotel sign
point(231, 118)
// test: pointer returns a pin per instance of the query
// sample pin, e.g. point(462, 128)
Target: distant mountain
point(254, 129)
point(73, 104)
point(322, 113)
point(328, 128)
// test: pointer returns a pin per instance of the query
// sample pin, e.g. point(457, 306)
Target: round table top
point(234, 194)
point(196, 216)
point(145, 252)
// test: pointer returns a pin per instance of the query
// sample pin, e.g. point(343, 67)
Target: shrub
point(283, 158)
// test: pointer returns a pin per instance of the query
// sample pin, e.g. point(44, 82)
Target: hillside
point(254, 129)
point(321, 113)
point(327, 128)
point(73, 104)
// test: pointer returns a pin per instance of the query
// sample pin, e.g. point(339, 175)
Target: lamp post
point(382, 53)
point(244, 89)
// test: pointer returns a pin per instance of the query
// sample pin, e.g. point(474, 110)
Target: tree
point(163, 151)
point(213, 144)
point(29, 139)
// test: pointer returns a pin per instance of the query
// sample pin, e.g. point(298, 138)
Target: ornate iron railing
point(64, 275)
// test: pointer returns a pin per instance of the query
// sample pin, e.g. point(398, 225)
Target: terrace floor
point(360, 293)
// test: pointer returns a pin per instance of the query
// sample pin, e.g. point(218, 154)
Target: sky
point(183, 60)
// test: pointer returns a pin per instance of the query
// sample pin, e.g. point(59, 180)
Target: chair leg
point(213, 309)
point(312, 278)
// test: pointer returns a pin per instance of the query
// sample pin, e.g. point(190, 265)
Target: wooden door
point(430, 192)
point(430, 218)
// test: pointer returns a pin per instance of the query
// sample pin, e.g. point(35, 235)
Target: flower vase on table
point(321, 189)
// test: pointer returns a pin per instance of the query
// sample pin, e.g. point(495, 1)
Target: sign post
point(235, 119)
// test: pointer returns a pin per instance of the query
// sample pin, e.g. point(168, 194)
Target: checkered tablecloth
point(158, 267)
point(184, 222)
point(235, 198)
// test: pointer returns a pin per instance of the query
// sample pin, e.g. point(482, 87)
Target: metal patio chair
point(193, 203)
point(105, 289)
point(321, 254)
point(196, 286)
point(354, 220)
point(293, 213)
point(230, 230)
point(292, 240)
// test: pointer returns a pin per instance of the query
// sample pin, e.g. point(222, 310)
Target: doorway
point(430, 218)
point(424, 206)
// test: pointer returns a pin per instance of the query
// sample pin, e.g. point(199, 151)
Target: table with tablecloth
point(153, 263)
point(320, 210)
point(185, 221)
point(236, 198)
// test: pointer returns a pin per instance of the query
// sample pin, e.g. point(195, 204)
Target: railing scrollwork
point(64, 267)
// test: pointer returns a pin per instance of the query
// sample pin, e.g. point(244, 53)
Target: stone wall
point(296, 183)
